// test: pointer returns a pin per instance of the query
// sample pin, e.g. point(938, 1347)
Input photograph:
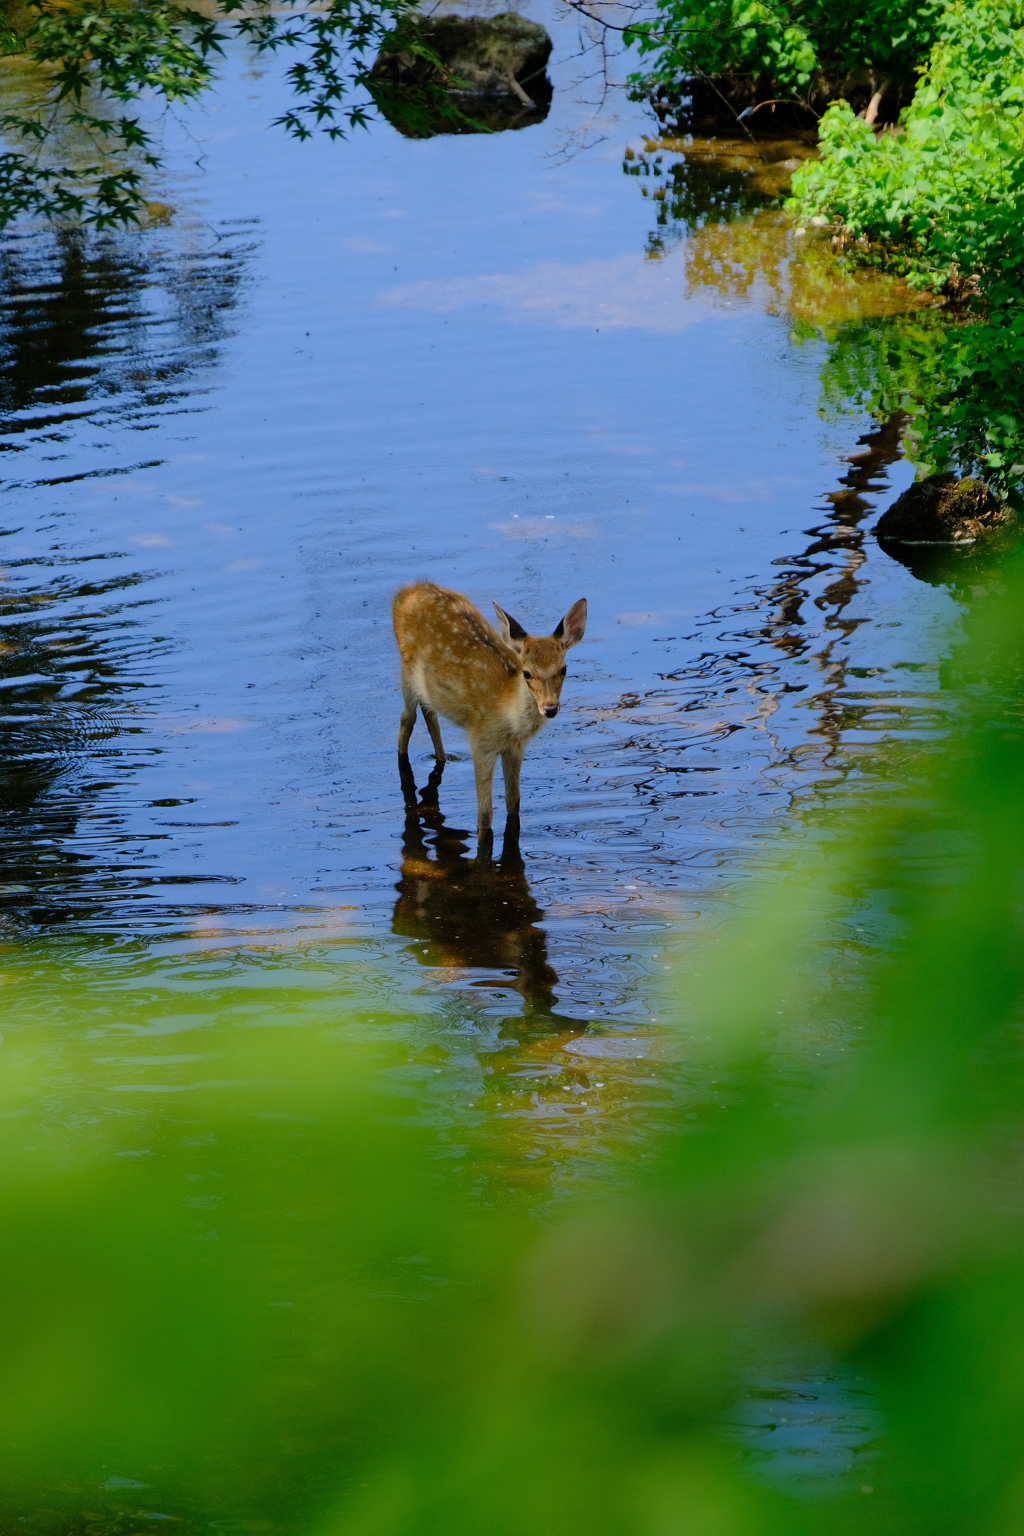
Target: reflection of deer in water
point(473, 913)
point(500, 688)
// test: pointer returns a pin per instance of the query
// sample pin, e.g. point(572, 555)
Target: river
point(323, 370)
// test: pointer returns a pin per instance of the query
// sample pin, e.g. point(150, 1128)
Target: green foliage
point(338, 46)
point(942, 200)
point(89, 53)
point(261, 1296)
point(939, 200)
point(793, 48)
point(957, 383)
point(95, 194)
point(122, 50)
point(978, 420)
point(84, 53)
point(944, 195)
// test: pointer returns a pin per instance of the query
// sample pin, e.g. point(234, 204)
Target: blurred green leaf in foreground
point(328, 1337)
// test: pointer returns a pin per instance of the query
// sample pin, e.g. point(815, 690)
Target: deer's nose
point(551, 710)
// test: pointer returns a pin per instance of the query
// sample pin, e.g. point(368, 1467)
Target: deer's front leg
point(484, 759)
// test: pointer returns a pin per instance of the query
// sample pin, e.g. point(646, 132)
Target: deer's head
point(542, 657)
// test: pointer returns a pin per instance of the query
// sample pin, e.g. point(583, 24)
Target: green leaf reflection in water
point(892, 348)
point(694, 182)
point(720, 200)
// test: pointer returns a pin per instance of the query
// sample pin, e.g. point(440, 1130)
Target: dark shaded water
point(229, 438)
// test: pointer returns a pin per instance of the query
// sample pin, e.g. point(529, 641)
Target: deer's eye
point(563, 672)
point(527, 675)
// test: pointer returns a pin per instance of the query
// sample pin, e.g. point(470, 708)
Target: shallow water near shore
point(332, 368)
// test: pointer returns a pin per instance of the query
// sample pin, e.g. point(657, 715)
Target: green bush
point(938, 199)
point(942, 200)
point(809, 50)
point(944, 195)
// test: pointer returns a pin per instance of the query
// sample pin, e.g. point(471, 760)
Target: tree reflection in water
point(94, 332)
point(470, 914)
point(837, 553)
point(718, 200)
point(119, 324)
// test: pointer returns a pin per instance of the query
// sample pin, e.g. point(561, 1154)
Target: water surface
point(327, 370)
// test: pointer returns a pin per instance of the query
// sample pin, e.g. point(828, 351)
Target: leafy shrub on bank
point(942, 200)
point(808, 52)
point(944, 195)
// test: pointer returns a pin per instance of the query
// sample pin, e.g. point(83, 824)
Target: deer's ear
point(570, 629)
point(512, 633)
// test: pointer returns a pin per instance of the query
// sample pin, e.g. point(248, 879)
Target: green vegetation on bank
point(942, 199)
point(935, 193)
point(788, 52)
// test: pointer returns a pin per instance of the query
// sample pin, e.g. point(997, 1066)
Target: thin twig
point(780, 101)
point(580, 6)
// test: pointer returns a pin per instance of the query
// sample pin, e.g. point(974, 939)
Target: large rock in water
point(944, 510)
point(492, 74)
point(944, 528)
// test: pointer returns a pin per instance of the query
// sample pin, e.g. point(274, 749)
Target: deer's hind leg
point(408, 720)
point(413, 701)
point(434, 727)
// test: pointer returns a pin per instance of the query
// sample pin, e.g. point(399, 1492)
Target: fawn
point(499, 687)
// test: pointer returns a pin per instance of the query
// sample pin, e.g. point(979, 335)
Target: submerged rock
point(945, 510)
point(491, 75)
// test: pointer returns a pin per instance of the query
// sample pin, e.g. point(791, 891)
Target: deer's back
point(459, 663)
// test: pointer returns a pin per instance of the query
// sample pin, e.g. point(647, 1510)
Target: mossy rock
point(944, 509)
point(490, 75)
point(949, 532)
